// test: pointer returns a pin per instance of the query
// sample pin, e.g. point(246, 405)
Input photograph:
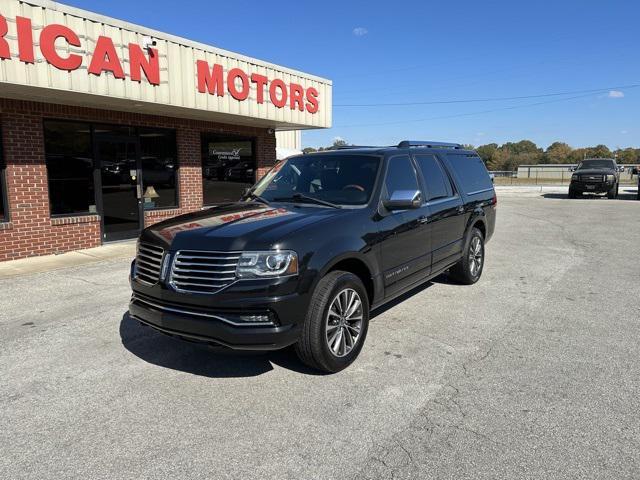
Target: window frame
point(4, 198)
point(97, 178)
point(222, 136)
point(446, 174)
point(384, 194)
point(177, 169)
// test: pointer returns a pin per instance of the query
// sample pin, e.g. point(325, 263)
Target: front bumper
point(587, 187)
point(182, 323)
point(226, 318)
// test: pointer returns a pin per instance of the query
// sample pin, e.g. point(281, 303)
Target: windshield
point(339, 179)
point(596, 164)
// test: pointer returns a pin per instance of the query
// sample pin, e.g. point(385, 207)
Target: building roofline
point(96, 17)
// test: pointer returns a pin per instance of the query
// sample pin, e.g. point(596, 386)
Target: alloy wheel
point(475, 256)
point(344, 322)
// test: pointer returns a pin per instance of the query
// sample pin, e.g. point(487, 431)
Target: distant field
point(549, 181)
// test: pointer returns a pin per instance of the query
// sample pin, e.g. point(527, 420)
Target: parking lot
point(532, 373)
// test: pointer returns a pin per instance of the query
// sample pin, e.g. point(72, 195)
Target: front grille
point(149, 263)
point(203, 272)
point(592, 178)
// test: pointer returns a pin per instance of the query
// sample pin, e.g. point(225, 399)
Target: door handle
point(423, 219)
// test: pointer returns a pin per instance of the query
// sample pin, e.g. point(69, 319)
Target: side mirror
point(404, 200)
point(572, 169)
point(621, 169)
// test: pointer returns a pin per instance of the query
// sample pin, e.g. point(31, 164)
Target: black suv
point(314, 246)
point(595, 175)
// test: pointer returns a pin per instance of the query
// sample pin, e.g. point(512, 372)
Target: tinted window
point(159, 168)
point(3, 191)
point(436, 180)
point(400, 175)
point(596, 164)
point(228, 168)
point(69, 159)
point(342, 179)
point(472, 173)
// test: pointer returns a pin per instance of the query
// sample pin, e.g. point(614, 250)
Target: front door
point(406, 240)
point(117, 158)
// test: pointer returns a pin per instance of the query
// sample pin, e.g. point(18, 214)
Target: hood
point(236, 226)
point(595, 171)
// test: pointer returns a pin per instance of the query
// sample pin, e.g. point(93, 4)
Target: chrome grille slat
point(149, 263)
point(203, 272)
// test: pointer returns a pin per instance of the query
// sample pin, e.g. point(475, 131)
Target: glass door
point(117, 158)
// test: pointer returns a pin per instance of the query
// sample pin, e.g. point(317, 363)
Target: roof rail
point(419, 143)
point(349, 147)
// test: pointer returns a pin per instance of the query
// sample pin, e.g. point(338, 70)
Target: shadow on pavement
point(203, 360)
point(624, 194)
point(199, 358)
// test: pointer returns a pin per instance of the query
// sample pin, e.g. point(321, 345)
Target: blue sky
point(419, 51)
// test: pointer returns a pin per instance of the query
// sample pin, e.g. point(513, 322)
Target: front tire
point(336, 323)
point(469, 269)
point(613, 193)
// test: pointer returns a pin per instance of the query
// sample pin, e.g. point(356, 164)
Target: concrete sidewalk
point(48, 263)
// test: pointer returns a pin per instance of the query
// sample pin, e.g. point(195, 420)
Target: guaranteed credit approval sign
point(53, 46)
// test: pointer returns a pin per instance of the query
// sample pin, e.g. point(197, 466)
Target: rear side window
point(400, 175)
point(436, 180)
point(472, 173)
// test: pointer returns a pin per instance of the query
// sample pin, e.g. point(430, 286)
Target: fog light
point(255, 318)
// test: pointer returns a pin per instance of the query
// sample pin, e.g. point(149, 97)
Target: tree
point(309, 150)
point(628, 155)
point(558, 152)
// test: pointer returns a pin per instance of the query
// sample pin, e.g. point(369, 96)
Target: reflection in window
point(228, 168)
point(69, 161)
point(159, 168)
point(3, 192)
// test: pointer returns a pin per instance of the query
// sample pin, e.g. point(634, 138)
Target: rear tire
point(336, 323)
point(469, 269)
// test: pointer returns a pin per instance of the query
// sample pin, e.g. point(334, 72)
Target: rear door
point(447, 216)
point(405, 240)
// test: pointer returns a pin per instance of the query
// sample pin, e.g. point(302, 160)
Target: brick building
point(108, 127)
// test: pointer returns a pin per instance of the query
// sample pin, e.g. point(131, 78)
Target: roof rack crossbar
point(420, 143)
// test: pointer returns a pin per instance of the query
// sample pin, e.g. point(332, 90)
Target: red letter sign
point(210, 80)
point(231, 84)
point(25, 40)
point(275, 85)
point(297, 94)
point(312, 99)
point(4, 45)
point(105, 58)
point(138, 60)
point(48, 38)
point(260, 81)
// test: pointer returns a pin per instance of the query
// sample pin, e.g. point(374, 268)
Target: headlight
point(574, 176)
point(610, 178)
point(267, 264)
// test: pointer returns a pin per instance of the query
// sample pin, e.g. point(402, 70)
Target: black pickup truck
point(314, 246)
point(596, 175)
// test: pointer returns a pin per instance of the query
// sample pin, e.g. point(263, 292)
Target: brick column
point(265, 152)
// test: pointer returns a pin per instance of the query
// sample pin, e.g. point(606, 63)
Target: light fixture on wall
point(148, 43)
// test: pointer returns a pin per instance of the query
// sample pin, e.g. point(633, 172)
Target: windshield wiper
point(299, 197)
point(256, 197)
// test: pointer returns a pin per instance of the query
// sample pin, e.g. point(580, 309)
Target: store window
point(4, 208)
point(69, 159)
point(158, 154)
point(228, 168)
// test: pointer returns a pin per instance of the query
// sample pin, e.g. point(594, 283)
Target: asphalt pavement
point(534, 373)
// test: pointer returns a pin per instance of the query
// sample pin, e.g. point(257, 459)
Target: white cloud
point(616, 94)
point(360, 31)
point(338, 139)
point(624, 132)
